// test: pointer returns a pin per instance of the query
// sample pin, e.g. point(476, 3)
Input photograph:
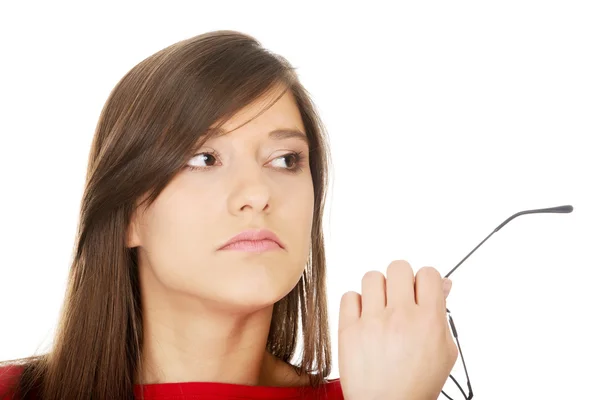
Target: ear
point(133, 234)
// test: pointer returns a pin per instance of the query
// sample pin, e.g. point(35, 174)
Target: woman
point(200, 246)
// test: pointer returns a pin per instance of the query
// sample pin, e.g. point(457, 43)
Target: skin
point(394, 340)
point(206, 312)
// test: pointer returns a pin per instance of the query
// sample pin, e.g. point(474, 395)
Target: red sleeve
point(9, 376)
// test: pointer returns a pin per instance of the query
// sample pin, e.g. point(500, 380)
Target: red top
point(331, 390)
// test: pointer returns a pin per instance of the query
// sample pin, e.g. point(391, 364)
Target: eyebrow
point(279, 134)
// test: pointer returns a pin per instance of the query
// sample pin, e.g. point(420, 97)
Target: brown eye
point(201, 160)
point(289, 161)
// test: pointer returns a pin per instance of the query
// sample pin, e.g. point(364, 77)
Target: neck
point(187, 339)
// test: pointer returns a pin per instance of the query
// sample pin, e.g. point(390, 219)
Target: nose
point(250, 190)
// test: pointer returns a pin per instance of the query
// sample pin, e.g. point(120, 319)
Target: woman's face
point(246, 179)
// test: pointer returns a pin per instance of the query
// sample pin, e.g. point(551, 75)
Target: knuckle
point(399, 266)
point(349, 296)
point(372, 276)
point(399, 321)
point(431, 322)
point(374, 329)
point(429, 273)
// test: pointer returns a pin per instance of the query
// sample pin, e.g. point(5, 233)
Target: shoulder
point(9, 376)
point(333, 389)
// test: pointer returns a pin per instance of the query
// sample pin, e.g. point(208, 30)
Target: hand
point(394, 340)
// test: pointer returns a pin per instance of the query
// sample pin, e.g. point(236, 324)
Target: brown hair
point(152, 121)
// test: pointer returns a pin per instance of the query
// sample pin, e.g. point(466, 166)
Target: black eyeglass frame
point(469, 396)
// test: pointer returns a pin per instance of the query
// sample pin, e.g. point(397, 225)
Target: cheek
point(181, 235)
point(306, 205)
point(182, 223)
point(297, 216)
point(178, 238)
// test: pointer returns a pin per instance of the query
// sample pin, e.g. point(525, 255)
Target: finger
point(450, 330)
point(400, 284)
point(373, 293)
point(446, 287)
point(428, 288)
point(350, 308)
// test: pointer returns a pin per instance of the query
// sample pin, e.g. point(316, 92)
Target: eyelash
point(300, 160)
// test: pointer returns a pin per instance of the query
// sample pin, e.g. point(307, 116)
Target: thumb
point(446, 286)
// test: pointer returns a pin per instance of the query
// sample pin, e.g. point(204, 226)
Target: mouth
point(254, 241)
point(253, 246)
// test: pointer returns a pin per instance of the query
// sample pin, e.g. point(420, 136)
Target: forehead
point(278, 118)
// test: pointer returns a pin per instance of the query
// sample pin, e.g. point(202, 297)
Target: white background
point(444, 118)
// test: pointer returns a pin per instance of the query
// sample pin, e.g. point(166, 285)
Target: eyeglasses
point(561, 209)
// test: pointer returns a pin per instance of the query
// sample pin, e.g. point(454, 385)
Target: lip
point(252, 240)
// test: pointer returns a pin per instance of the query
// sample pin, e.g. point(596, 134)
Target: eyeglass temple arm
point(455, 334)
point(560, 209)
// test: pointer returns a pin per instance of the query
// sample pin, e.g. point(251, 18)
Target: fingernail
point(446, 286)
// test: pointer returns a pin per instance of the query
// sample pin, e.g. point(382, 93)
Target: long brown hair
point(154, 117)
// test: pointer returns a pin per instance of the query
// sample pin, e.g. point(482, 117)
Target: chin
point(259, 296)
point(261, 288)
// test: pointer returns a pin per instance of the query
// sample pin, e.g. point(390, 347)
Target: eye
point(287, 161)
point(291, 162)
point(202, 160)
